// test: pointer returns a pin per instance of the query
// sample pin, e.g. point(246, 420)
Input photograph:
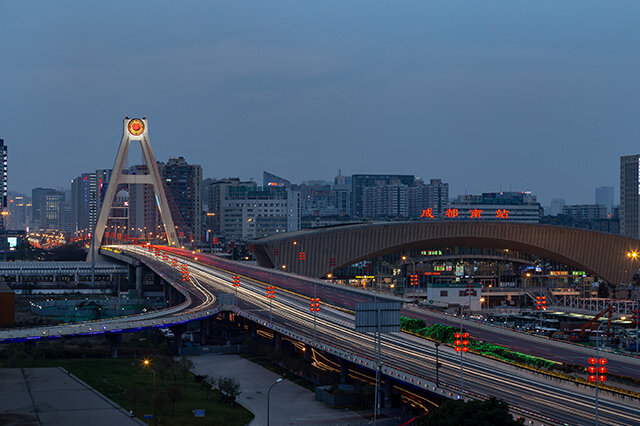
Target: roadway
point(198, 303)
point(335, 327)
point(347, 297)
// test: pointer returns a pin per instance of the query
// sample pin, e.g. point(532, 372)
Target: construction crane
point(589, 324)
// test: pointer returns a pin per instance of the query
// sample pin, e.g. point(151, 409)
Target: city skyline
point(484, 97)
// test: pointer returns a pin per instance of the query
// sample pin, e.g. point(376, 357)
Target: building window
point(444, 293)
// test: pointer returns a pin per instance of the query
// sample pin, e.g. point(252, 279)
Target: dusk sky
point(522, 95)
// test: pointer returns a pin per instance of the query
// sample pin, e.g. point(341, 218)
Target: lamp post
point(146, 363)
point(437, 365)
point(271, 294)
point(633, 255)
point(315, 307)
point(269, 395)
point(597, 374)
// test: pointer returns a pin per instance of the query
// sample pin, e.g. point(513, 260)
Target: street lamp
point(146, 363)
point(269, 394)
point(633, 255)
point(597, 374)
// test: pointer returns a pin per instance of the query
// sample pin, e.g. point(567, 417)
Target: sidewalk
point(290, 404)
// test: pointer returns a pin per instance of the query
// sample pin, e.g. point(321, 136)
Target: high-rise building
point(47, 209)
point(385, 200)
point(630, 196)
point(437, 196)
point(604, 197)
point(359, 182)
point(585, 211)
point(269, 179)
point(84, 202)
point(143, 209)
point(495, 206)
point(244, 212)
point(557, 204)
point(52, 210)
point(341, 193)
point(184, 182)
point(434, 196)
point(218, 192)
point(3, 184)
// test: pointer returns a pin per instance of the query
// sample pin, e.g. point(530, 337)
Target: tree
point(209, 383)
point(185, 367)
point(491, 412)
point(229, 388)
point(173, 394)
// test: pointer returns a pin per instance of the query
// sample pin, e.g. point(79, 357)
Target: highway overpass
point(406, 358)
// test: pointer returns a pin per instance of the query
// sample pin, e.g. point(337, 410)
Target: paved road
point(537, 394)
point(290, 404)
point(50, 396)
point(347, 297)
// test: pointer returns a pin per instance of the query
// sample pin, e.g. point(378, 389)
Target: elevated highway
point(405, 358)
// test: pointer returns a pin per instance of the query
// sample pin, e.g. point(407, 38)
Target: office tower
point(604, 197)
point(434, 196)
point(269, 179)
point(359, 182)
point(84, 202)
point(3, 184)
point(184, 182)
point(385, 200)
point(630, 196)
point(585, 211)
point(557, 204)
point(495, 206)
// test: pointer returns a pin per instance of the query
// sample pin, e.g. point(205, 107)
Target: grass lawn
point(130, 385)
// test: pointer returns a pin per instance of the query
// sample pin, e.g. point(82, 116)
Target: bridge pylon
point(134, 129)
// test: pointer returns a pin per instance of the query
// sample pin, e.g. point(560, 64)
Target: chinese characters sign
point(472, 214)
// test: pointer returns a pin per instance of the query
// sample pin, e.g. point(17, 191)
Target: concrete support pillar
point(131, 275)
point(177, 330)
point(114, 341)
point(277, 340)
point(344, 371)
point(205, 327)
point(140, 280)
point(307, 353)
point(388, 392)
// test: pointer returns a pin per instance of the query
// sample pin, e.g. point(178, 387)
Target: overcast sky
point(487, 95)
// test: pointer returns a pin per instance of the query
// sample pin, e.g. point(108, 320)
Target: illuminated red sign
point(475, 214)
point(136, 127)
point(451, 213)
point(503, 214)
point(427, 213)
